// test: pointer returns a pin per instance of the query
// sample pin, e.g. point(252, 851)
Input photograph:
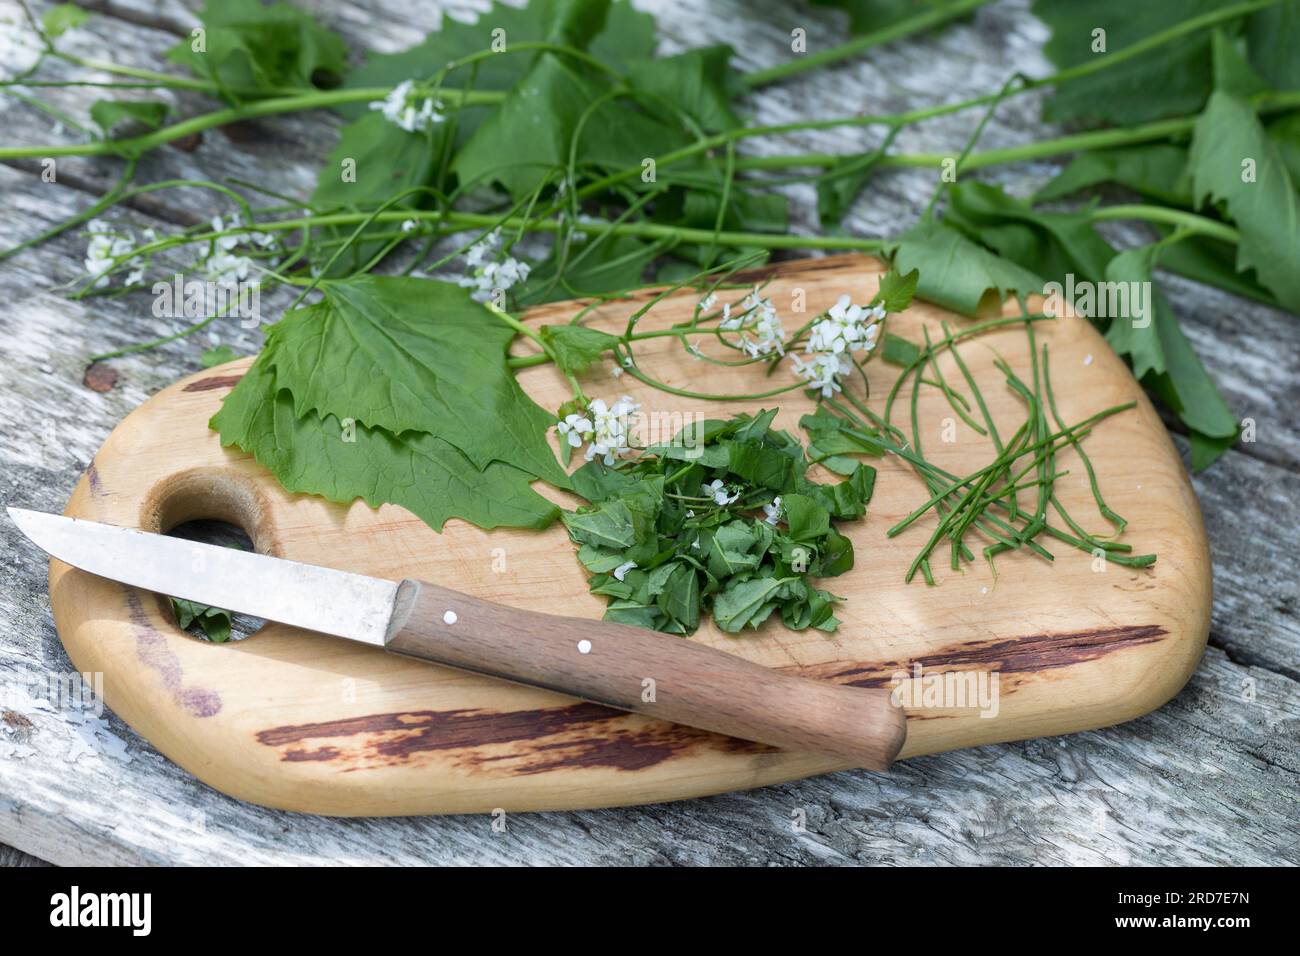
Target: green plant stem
point(903, 28)
point(1167, 216)
point(645, 230)
point(1056, 146)
point(136, 145)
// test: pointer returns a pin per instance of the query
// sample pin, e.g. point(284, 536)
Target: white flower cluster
point(758, 316)
point(107, 245)
point(606, 427)
point(847, 328)
point(411, 113)
point(221, 264)
point(489, 270)
point(720, 493)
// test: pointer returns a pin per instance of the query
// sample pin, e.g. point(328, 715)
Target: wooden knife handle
point(612, 664)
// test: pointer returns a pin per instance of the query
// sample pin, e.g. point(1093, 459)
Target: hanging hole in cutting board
point(205, 625)
point(214, 506)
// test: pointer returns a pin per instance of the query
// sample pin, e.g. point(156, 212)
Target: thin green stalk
point(808, 61)
point(135, 145)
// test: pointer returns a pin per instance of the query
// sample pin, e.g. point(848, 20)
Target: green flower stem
point(536, 337)
point(903, 28)
point(151, 76)
point(528, 361)
point(1171, 217)
point(645, 230)
point(136, 145)
point(1060, 145)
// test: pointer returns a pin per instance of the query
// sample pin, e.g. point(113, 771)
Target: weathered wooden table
point(1210, 778)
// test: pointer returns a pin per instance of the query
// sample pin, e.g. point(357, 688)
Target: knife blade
point(304, 595)
point(624, 667)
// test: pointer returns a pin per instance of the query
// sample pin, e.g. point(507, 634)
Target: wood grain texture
point(297, 721)
point(1208, 779)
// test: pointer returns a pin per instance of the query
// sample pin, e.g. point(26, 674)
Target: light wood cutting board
point(294, 720)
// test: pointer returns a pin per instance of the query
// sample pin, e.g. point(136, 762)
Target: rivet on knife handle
point(607, 663)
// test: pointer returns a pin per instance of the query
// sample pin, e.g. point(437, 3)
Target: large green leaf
point(1285, 134)
point(1170, 80)
point(627, 34)
point(699, 83)
point(426, 475)
point(1233, 161)
point(374, 161)
point(1163, 359)
point(542, 111)
point(1213, 262)
point(413, 355)
point(956, 272)
point(1138, 337)
point(1158, 170)
point(1271, 36)
point(1049, 244)
point(251, 47)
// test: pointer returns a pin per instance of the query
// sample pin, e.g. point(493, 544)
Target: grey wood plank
point(1208, 779)
point(11, 857)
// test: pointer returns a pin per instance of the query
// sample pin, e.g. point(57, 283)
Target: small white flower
point(759, 319)
point(606, 427)
point(616, 371)
point(621, 571)
point(224, 243)
point(489, 270)
point(411, 113)
point(225, 269)
point(774, 511)
point(847, 328)
point(408, 225)
point(690, 512)
point(821, 370)
point(105, 247)
point(708, 302)
point(573, 428)
point(730, 322)
point(718, 491)
point(770, 336)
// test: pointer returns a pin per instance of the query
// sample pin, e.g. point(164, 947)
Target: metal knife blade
point(304, 595)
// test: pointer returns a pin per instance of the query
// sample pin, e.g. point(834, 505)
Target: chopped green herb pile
point(723, 521)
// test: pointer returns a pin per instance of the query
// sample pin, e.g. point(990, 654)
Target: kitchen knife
point(624, 667)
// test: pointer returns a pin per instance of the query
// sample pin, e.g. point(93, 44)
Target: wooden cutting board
point(294, 720)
